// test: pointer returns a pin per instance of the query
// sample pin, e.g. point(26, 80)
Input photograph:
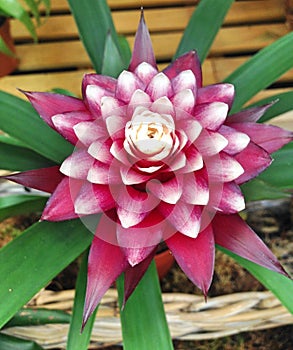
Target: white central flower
point(149, 135)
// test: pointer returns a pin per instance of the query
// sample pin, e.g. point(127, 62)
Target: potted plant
point(125, 234)
point(29, 16)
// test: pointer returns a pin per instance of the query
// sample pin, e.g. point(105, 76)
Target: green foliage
point(150, 331)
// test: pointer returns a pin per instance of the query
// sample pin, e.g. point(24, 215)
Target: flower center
point(149, 135)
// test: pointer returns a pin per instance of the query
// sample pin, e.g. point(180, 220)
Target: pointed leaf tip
point(142, 49)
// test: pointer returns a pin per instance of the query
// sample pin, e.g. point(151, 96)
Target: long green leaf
point(112, 61)
point(143, 319)
point(20, 204)
point(17, 158)
point(13, 9)
point(8, 342)
point(35, 317)
point(76, 339)
point(30, 261)
point(21, 121)
point(280, 285)
point(203, 27)
point(5, 49)
point(94, 22)
point(257, 189)
point(261, 70)
point(279, 174)
point(284, 103)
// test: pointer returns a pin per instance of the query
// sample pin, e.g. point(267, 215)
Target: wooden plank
point(70, 54)
point(62, 5)
point(126, 22)
point(222, 67)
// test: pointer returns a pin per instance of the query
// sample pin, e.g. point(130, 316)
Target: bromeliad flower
point(159, 158)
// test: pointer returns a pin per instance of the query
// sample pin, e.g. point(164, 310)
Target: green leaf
point(280, 285)
point(113, 63)
point(5, 49)
point(17, 158)
point(20, 204)
point(203, 27)
point(258, 189)
point(12, 8)
point(284, 103)
point(33, 7)
point(76, 339)
point(8, 342)
point(29, 262)
point(279, 174)
point(94, 22)
point(21, 121)
point(261, 70)
point(143, 319)
point(35, 317)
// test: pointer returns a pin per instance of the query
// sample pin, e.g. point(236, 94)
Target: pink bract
point(158, 156)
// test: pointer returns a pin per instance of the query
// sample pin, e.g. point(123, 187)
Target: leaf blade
point(76, 339)
point(151, 332)
point(39, 265)
point(208, 14)
point(21, 121)
point(269, 63)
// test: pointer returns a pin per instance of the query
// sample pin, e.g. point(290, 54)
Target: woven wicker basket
point(189, 317)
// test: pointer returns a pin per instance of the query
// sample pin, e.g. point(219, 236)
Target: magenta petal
point(237, 141)
point(269, 137)
point(101, 173)
point(127, 84)
point(184, 217)
point(143, 49)
point(191, 128)
point(139, 241)
point(183, 102)
point(44, 179)
point(195, 256)
point(169, 191)
point(134, 274)
point(116, 127)
point(211, 115)
point(77, 164)
point(60, 205)
point(159, 86)
point(196, 188)
point(105, 263)
point(232, 200)
point(184, 80)
point(64, 124)
point(251, 114)
point(93, 98)
point(134, 200)
point(87, 132)
point(48, 104)
point(93, 198)
point(187, 61)
point(216, 93)
point(129, 218)
point(253, 160)
point(132, 177)
point(194, 159)
point(223, 168)
point(102, 81)
point(232, 233)
point(145, 72)
point(100, 150)
point(210, 143)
